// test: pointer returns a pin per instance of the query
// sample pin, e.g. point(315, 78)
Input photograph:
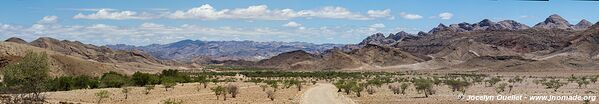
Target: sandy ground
point(324, 93)
point(187, 93)
point(444, 95)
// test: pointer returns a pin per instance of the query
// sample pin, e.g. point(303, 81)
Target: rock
point(582, 25)
point(509, 25)
point(16, 40)
point(553, 22)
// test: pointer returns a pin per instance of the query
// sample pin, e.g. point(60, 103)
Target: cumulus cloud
point(378, 25)
point(112, 14)
point(445, 15)
point(292, 24)
point(410, 16)
point(333, 12)
point(254, 12)
point(262, 12)
point(379, 13)
point(48, 20)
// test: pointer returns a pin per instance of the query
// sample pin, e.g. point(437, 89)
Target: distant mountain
point(582, 25)
point(483, 25)
point(380, 39)
point(553, 22)
point(189, 50)
point(507, 45)
point(370, 56)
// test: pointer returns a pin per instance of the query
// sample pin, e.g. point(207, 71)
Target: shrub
point(233, 90)
point(148, 88)
point(219, 90)
point(395, 89)
point(594, 78)
point(126, 91)
point(424, 85)
point(403, 87)
point(168, 82)
point(270, 94)
point(274, 84)
point(357, 88)
point(142, 79)
point(458, 85)
point(202, 79)
point(263, 87)
point(114, 79)
point(582, 82)
point(501, 87)
point(553, 84)
point(172, 101)
point(102, 95)
point(28, 75)
point(370, 90)
point(493, 81)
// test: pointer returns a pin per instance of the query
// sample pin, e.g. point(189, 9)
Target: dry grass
point(249, 93)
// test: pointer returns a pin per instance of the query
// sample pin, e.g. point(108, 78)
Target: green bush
point(114, 80)
point(424, 86)
point(142, 79)
point(28, 76)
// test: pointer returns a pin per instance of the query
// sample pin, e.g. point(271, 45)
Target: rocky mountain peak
point(583, 24)
point(421, 33)
point(378, 38)
point(486, 22)
point(509, 25)
point(397, 35)
point(553, 22)
point(16, 40)
point(439, 27)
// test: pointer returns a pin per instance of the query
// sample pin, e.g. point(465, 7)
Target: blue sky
point(143, 22)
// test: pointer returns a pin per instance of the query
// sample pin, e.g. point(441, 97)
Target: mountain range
point(198, 51)
point(507, 45)
point(553, 44)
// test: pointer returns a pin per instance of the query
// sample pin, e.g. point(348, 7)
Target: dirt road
point(324, 93)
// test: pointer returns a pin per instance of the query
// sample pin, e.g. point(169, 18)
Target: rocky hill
point(553, 44)
point(76, 58)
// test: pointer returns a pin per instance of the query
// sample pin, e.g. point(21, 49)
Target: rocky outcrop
point(509, 25)
point(483, 25)
point(287, 59)
point(582, 25)
point(16, 40)
point(92, 52)
point(380, 39)
point(553, 22)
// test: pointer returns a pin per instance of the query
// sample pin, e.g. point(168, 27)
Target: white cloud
point(92, 9)
point(254, 12)
point(445, 15)
point(292, 24)
point(151, 25)
point(111, 14)
point(410, 16)
point(205, 12)
point(378, 25)
point(333, 12)
point(379, 13)
point(48, 20)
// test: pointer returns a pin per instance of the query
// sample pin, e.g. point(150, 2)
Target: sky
point(144, 22)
